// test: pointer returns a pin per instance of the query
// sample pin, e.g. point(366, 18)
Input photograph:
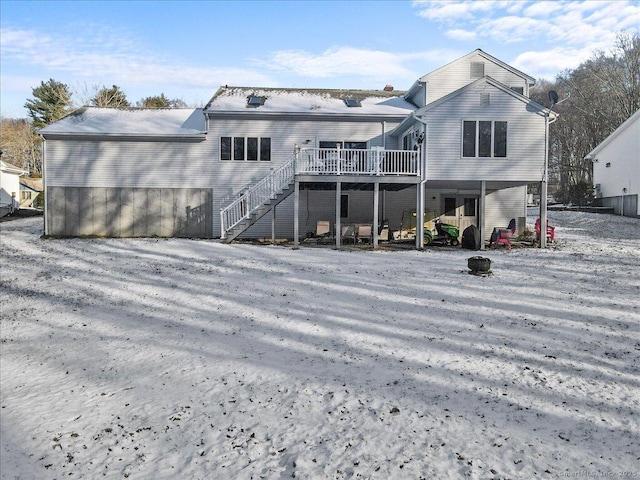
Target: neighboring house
point(616, 169)
point(9, 187)
point(30, 192)
point(461, 144)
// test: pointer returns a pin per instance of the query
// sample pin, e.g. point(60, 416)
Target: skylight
point(255, 101)
point(352, 102)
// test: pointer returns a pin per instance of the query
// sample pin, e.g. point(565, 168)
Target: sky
point(188, 49)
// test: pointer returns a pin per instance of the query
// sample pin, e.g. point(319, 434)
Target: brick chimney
point(388, 88)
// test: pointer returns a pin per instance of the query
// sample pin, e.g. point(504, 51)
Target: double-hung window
point(484, 138)
point(251, 149)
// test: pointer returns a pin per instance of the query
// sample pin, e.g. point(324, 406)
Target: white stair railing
point(256, 196)
point(317, 161)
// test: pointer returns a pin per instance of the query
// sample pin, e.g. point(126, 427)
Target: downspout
point(44, 187)
point(423, 181)
point(544, 183)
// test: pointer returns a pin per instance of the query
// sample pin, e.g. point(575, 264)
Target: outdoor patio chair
point(501, 236)
point(348, 232)
point(551, 231)
point(323, 228)
point(364, 234)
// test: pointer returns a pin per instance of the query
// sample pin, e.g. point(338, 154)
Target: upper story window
point(484, 138)
point(520, 90)
point(251, 149)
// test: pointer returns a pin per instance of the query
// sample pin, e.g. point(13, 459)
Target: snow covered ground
point(163, 359)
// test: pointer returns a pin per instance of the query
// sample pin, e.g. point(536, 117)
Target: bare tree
point(21, 146)
point(600, 95)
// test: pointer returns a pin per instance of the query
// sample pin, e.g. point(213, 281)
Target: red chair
point(551, 231)
point(501, 236)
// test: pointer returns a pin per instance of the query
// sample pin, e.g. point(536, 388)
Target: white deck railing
point(317, 161)
point(331, 161)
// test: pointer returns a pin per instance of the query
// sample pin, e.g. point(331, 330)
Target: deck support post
point(296, 210)
point(273, 225)
point(481, 212)
point(419, 216)
point(376, 194)
point(338, 227)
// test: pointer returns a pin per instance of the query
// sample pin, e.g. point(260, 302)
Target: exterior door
point(460, 211)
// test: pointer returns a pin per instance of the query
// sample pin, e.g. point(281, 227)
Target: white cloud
point(112, 57)
point(577, 23)
point(449, 11)
point(510, 29)
point(547, 64)
point(541, 9)
point(339, 61)
point(462, 35)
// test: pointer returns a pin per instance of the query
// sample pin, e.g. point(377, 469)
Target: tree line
point(595, 98)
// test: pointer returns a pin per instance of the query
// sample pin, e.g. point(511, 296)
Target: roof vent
point(388, 88)
point(255, 101)
point(477, 70)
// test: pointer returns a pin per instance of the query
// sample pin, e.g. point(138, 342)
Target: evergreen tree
point(52, 101)
point(110, 97)
point(158, 101)
point(161, 101)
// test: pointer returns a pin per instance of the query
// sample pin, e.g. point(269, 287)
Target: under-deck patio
point(354, 169)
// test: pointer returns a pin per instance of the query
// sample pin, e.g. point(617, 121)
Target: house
point(616, 169)
point(461, 144)
point(30, 192)
point(9, 187)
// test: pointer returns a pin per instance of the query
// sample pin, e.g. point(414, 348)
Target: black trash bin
point(471, 238)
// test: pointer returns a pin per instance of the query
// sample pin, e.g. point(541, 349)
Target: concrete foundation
point(129, 212)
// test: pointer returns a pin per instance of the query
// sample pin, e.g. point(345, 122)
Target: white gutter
point(423, 182)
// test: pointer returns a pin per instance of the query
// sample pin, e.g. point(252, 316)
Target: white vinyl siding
point(525, 145)
point(460, 73)
point(230, 178)
point(139, 164)
point(621, 153)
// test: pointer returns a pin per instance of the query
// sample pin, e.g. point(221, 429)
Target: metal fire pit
point(479, 266)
